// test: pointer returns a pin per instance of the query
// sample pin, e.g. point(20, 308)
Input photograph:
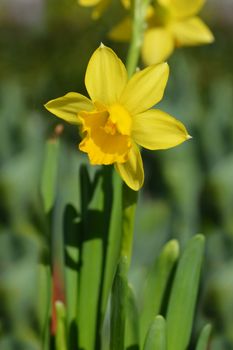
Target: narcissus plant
point(118, 116)
point(98, 5)
point(170, 24)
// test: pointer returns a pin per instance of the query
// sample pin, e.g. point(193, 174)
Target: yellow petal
point(183, 8)
point(67, 107)
point(155, 129)
point(126, 3)
point(164, 2)
point(88, 2)
point(106, 76)
point(100, 8)
point(157, 46)
point(132, 171)
point(192, 31)
point(103, 147)
point(122, 31)
point(145, 88)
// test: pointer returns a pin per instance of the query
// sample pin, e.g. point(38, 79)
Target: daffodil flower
point(98, 5)
point(170, 24)
point(117, 117)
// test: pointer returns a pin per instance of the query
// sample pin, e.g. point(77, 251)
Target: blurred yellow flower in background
point(170, 24)
point(117, 117)
point(99, 6)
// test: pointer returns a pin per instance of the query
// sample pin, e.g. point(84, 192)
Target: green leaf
point(132, 321)
point(183, 295)
point(48, 188)
point(129, 203)
point(72, 241)
point(44, 303)
point(49, 174)
point(86, 190)
point(96, 209)
point(61, 334)
point(118, 306)
point(114, 241)
point(156, 335)
point(203, 340)
point(156, 285)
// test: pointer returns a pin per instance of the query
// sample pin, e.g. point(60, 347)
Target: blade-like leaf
point(114, 241)
point(72, 240)
point(61, 334)
point(156, 285)
point(118, 306)
point(44, 302)
point(183, 296)
point(129, 203)
point(96, 210)
point(156, 335)
point(132, 322)
point(49, 174)
point(203, 339)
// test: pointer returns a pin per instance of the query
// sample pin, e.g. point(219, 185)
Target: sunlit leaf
point(183, 295)
point(156, 335)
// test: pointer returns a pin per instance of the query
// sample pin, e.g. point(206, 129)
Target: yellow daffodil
point(99, 6)
point(170, 24)
point(117, 117)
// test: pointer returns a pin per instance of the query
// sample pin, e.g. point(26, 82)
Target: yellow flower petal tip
point(87, 3)
point(117, 118)
point(99, 7)
point(210, 37)
point(68, 106)
point(189, 137)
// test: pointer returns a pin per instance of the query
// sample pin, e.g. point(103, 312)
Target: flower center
point(106, 134)
point(119, 120)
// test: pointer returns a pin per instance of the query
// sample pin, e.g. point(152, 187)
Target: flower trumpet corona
point(117, 117)
point(170, 24)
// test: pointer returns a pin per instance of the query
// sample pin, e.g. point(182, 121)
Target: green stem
point(129, 202)
point(61, 335)
point(129, 197)
point(139, 8)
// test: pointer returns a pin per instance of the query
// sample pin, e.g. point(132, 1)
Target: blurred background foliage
point(44, 48)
